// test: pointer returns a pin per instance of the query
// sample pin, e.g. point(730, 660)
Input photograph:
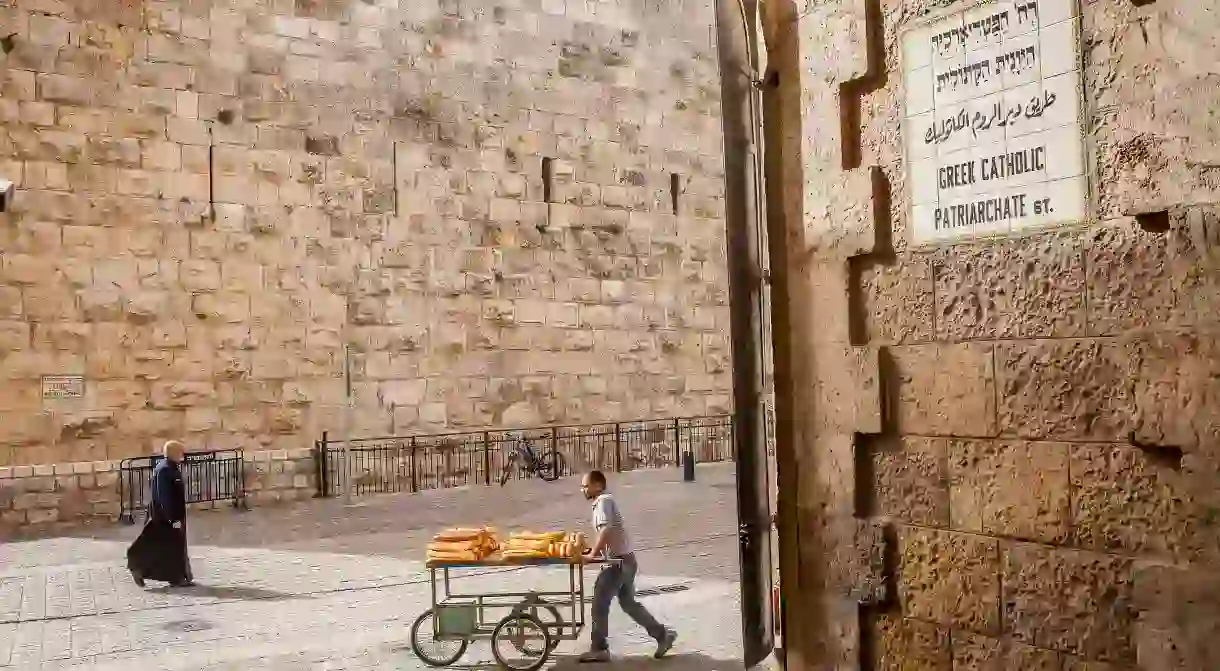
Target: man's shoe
point(666, 643)
point(594, 657)
point(137, 579)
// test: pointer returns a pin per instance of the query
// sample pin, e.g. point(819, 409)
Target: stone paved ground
point(328, 586)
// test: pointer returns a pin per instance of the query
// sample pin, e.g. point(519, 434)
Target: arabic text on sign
point(979, 121)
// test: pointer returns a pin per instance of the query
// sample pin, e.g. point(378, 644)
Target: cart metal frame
point(470, 616)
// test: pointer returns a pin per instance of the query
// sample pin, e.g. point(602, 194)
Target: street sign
point(992, 120)
point(57, 387)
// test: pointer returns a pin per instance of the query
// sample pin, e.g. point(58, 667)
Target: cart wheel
point(549, 616)
point(431, 651)
point(521, 642)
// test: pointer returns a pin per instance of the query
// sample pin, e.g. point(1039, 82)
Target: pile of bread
point(472, 545)
point(571, 547)
point(462, 545)
point(549, 544)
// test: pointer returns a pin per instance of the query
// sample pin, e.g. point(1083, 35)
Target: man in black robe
point(160, 553)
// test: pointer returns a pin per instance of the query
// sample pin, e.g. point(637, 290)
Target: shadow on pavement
point(679, 661)
point(688, 661)
point(227, 593)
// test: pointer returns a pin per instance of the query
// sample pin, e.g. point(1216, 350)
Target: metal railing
point(395, 464)
point(217, 475)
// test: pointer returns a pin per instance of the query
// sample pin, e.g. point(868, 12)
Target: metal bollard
point(688, 466)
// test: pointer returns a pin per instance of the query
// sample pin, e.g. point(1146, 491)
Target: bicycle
point(548, 467)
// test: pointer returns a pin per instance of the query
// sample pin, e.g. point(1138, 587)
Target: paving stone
point(314, 588)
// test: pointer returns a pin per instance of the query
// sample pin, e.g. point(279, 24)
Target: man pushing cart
point(524, 627)
point(617, 579)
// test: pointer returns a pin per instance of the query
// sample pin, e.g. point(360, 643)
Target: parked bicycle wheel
point(551, 466)
point(431, 651)
point(507, 473)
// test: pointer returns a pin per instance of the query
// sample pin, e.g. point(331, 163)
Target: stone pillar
point(827, 211)
point(1001, 452)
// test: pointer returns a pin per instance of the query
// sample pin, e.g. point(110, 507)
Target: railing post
point(677, 445)
point(555, 443)
point(122, 498)
point(487, 458)
point(618, 448)
point(324, 478)
point(687, 456)
point(317, 469)
point(414, 482)
point(240, 484)
point(733, 439)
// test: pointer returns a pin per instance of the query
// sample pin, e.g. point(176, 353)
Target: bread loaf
point(462, 545)
point(460, 534)
point(456, 546)
point(528, 545)
point(539, 536)
point(453, 556)
point(518, 555)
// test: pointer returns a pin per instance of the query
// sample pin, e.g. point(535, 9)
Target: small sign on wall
point(56, 387)
point(992, 120)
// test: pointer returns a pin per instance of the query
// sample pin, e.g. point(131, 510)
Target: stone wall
point(478, 196)
point(1033, 422)
point(71, 494)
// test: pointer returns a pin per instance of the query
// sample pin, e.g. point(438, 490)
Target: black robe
point(160, 552)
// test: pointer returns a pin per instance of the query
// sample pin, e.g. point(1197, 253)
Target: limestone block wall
point(1027, 429)
point(47, 497)
point(511, 210)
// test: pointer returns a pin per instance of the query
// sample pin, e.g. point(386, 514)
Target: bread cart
point(523, 627)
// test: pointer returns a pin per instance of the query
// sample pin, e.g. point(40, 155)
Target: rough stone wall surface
point(215, 196)
point(1047, 460)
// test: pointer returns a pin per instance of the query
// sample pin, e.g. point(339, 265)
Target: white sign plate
point(992, 120)
point(62, 386)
